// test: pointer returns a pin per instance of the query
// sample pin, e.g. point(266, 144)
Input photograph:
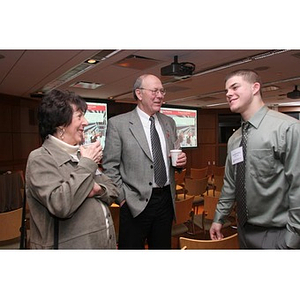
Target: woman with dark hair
point(68, 196)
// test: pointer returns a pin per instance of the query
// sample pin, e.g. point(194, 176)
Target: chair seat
point(179, 229)
point(199, 200)
point(207, 223)
point(179, 189)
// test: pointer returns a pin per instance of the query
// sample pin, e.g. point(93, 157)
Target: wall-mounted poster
point(96, 115)
point(186, 123)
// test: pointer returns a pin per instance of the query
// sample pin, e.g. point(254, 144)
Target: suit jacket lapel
point(136, 127)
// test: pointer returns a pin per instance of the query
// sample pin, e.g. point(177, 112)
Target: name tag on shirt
point(237, 155)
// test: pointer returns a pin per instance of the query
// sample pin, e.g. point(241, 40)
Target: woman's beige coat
point(57, 185)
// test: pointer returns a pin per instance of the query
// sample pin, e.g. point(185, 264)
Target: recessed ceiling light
point(92, 61)
point(78, 70)
point(270, 88)
point(86, 85)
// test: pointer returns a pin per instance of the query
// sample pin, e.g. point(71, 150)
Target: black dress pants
point(153, 225)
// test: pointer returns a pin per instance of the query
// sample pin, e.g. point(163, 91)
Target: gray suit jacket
point(128, 161)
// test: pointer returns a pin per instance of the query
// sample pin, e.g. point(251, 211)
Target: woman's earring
point(61, 133)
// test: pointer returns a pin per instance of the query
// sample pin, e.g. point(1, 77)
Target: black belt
point(261, 228)
point(157, 189)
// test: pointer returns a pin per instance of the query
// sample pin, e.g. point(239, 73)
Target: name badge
point(237, 155)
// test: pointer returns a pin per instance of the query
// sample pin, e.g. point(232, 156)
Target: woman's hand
point(93, 151)
point(96, 190)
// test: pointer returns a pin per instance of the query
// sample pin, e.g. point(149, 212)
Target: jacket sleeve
point(60, 194)
point(111, 192)
point(112, 158)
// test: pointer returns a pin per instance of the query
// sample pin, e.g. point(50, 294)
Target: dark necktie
point(242, 211)
point(160, 175)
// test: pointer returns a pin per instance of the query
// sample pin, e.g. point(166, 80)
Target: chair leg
point(203, 222)
point(195, 207)
point(191, 221)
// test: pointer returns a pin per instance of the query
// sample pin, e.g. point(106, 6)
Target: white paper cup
point(174, 155)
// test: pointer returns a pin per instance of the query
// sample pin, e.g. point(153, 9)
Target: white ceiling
point(26, 72)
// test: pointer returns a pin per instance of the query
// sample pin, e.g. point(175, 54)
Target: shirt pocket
point(261, 162)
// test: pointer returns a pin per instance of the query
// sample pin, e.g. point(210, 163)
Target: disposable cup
point(174, 155)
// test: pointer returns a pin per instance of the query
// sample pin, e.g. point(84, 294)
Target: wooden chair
point(198, 173)
point(205, 220)
point(219, 171)
point(26, 239)
point(230, 242)
point(196, 187)
point(115, 213)
point(10, 224)
point(213, 193)
point(184, 213)
point(180, 182)
point(218, 183)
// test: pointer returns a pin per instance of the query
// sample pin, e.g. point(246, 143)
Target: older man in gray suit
point(146, 206)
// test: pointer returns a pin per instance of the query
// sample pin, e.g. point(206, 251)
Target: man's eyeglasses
point(155, 91)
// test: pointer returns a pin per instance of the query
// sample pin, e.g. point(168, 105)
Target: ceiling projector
point(178, 69)
point(295, 94)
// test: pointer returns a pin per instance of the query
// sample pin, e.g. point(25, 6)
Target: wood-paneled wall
point(19, 133)
point(207, 152)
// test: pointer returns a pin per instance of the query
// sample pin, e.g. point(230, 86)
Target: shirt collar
point(258, 117)
point(144, 117)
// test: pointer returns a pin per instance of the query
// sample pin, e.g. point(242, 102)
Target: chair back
point(10, 224)
point(230, 242)
point(219, 171)
point(196, 186)
point(218, 182)
point(210, 204)
point(179, 177)
point(199, 173)
point(205, 220)
point(183, 209)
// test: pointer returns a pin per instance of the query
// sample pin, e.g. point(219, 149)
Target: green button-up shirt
point(272, 174)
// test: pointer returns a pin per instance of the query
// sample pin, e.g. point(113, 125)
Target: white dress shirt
point(145, 119)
